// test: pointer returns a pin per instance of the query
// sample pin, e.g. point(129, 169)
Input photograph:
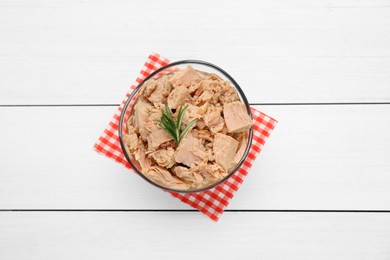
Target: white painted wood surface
point(188, 235)
point(77, 52)
point(320, 157)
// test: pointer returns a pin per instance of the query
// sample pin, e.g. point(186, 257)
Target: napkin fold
point(211, 202)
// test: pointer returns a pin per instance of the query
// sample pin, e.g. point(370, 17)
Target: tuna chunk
point(204, 97)
point(148, 88)
point(130, 125)
point(161, 91)
point(156, 137)
point(193, 87)
point(190, 151)
point(225, 148)
point(216, 171)
point(203, 134)
point(213, 119)
point(185, 77)
point(241, 150)
point(140, 157)
point(152, 132)
point(187, 175)
point(236, 117)
point(212, 173)
point(228, 94)
point(164, 157)
point(141, 113)
point(131, 140)
point(200, 124)
point(149, 122)
point(191, 113)
point(164, 177)
point(209, 91)
point(178, 97)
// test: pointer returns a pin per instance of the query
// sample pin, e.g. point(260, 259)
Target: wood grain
point(189, 235)
point(79, 52)
point(333, 157)
point(319, 157)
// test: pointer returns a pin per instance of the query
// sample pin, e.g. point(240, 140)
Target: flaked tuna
point(164, 177)
point(209, 149)
point(187, 174)
point(164, 157)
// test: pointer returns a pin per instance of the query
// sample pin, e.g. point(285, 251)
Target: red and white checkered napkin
point(211, 202)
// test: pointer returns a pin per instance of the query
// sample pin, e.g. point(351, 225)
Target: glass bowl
point(197, 65)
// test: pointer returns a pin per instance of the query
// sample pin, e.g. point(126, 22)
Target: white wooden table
point(319, 190)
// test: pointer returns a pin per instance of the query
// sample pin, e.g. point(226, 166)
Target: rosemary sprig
point(172, 127)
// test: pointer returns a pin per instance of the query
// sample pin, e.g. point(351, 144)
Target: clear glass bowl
point(197, 65)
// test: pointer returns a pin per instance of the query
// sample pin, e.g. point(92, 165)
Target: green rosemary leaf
point(169, 130)
point(168, 111)
point(180, 116)
point(172, 126)
point(168, 120)
point(186, 129)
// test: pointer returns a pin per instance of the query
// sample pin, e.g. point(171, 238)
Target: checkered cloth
point(211, 202)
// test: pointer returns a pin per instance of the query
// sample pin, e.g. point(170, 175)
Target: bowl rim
point(151, 75)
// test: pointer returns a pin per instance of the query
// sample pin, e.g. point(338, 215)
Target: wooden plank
point(188, 235)
point(319, 157)
point(56, 52)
